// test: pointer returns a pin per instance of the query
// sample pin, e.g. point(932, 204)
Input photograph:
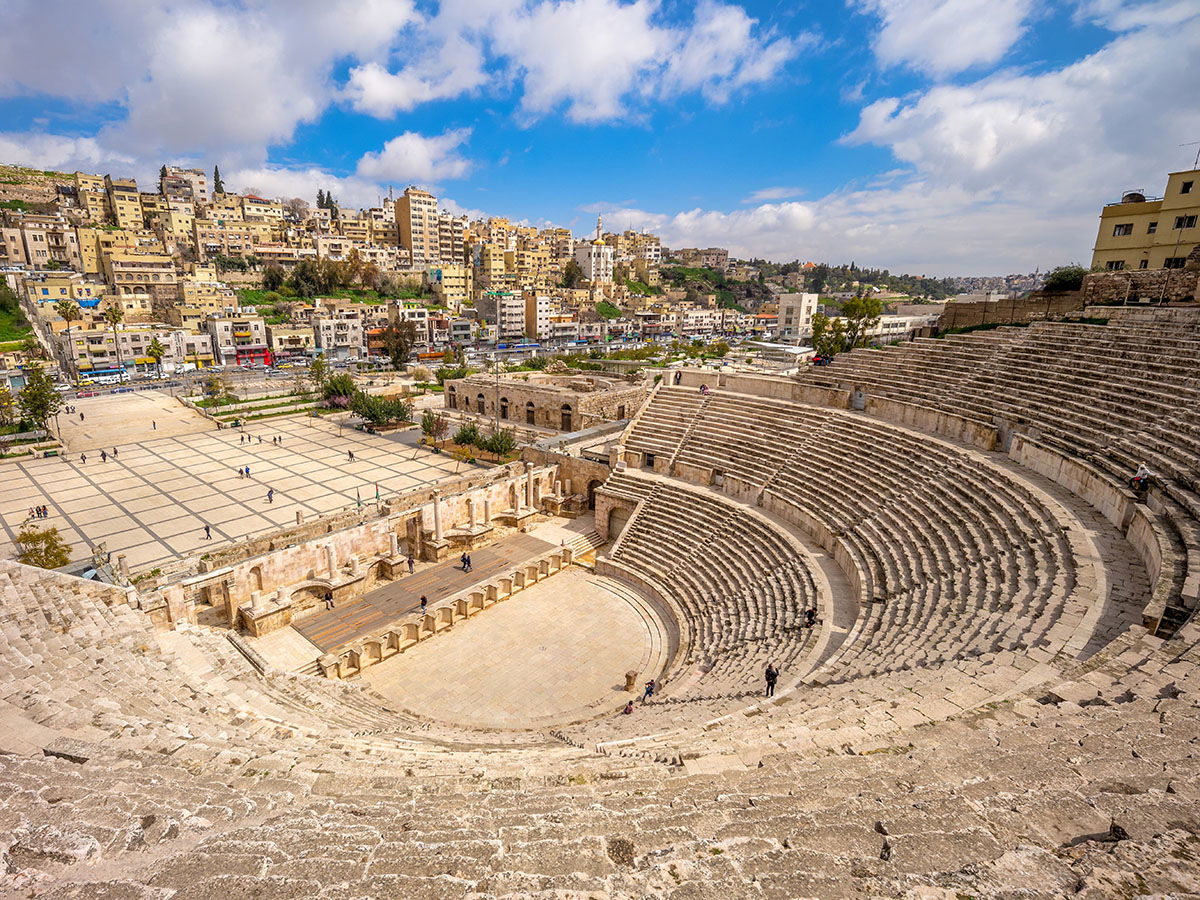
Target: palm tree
point(156, 351)
point(69, 310)
point(114, 315)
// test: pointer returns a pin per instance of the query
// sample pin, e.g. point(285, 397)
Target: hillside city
point(210, 278)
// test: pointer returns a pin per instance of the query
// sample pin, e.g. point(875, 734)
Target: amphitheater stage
point(334, 628)
point(555, 654)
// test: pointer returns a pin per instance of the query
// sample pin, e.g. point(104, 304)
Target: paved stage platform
point(334, 628)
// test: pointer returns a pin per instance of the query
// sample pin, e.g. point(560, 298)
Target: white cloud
point(595, 58)
point(1003, 175)
point(942, 37)
point(414, 158)
point(774, 193)
point(57, 152)
point(284, 183)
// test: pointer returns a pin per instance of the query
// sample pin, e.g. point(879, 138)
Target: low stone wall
point(397, 638)
point(1133, 285)
point(773, 386)
point(923, 418)
point(1037, 306)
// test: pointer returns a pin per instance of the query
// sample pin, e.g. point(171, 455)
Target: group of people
point(103, 455)
point(465, 559)
point(70, 410)
point(249, 439)
point(39, 512)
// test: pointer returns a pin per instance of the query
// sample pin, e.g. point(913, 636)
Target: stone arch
point(504, 407)
point(530, 413)
point(566, 417)
point(591, 492)
point(480, 404)
point(255, 578)
point(452, 397)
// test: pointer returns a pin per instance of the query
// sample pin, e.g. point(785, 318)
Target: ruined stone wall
point(514, 398)
point(1134, 285)
point(1037, 306)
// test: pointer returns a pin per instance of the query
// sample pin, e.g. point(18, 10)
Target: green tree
point(467, 434)
point(818, 277)
point(434, 425)
point(217, 387)
point(156, 351)
point(218, 184)
point(607, 310)
point(828, 335)
point(320, 198)
point(43, 548)
point(318, 372)
point(8, 407)
point(162, 174)
point(571, 274)
point(31, 347)
point(340, 385)
point(398, 340)
point(114, 316)
point(500, 442)
point(1065, 278)
point(68, 310)
point(273, 278)
point(860, 314)
point(39, 401)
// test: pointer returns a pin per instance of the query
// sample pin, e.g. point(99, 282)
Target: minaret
point(599, 228)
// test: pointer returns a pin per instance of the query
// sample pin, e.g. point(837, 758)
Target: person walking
point(260, 438)
point(410, 564)
point(103, 456)
point(470, 565)
point(648, 692)
point(247, 471)
point(270, 495)
point(81, 417)
point(463, 559)
point(114, 452)
point(153, 425)
point(350, 455)
point(83, 457)
point(424, 603)
point(772, 676)
point(208, 532)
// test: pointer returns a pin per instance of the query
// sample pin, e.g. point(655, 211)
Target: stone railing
point(399, 637)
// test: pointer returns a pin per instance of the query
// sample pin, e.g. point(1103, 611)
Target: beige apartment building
point(92, 196)
point(417, 222)
point(124, 202)
point(1143, 232)
point(230, 237)
point(291, 340)
point(143, 273)
point(452, 284)
point(189, 184)
point(39, 240)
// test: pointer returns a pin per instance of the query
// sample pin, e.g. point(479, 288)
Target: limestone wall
point(1170, 285)
point(512, 401)
point(1037, 306)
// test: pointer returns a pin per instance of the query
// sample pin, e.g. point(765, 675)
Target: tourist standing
point(648, 692)
point(410, 564)
point(270, 495)
point(772, 677)
point(424, 603)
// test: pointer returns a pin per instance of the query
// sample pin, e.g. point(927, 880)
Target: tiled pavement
point(152, 501)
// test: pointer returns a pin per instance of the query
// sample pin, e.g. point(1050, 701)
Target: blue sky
point(937, 136)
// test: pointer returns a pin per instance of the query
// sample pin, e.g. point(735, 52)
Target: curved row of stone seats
point(736, 581)
point(1090, 792)
point(653, 430)
point(1103, 397)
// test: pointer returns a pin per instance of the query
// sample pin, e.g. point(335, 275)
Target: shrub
point(500, 442)
point(340, 385)
point(1065, 278)
point(468, 435)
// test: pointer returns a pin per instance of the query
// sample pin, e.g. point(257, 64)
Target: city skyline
point(836, 133)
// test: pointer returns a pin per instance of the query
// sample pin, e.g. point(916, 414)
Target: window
point(1114, 265)
point(1186, 187)
point(1174, 262)
point(1122, 230)
point(1144, 264)
point(1152, 228)
point(1185, 221)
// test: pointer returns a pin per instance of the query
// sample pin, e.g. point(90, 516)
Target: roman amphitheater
point(998, 697)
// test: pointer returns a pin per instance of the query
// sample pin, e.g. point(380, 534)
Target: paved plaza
point(555, 653)
point(152, 501)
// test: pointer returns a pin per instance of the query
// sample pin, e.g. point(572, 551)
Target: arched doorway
point(591, 492)
point(529, 416)
point(504, 407)
point(566, 417)
point(256, 580)
point(479, 404)
point(621, 411)
point(452, 398)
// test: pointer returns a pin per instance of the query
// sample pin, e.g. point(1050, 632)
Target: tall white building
point(796, 313)
point(595, 258)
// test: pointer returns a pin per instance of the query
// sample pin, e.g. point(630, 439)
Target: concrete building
point(452, 284)
point(238, 340)
point(796, 313)
point(417, 223)
point(290, 340)
point(124, 202)
point(1143, 232)
point(339, 334)
point(143, 273)
point(538, 311)
point(190, 184)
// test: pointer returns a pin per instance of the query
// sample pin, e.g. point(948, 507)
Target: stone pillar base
point(434, 550)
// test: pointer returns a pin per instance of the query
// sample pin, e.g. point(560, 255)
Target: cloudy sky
point(936, 136)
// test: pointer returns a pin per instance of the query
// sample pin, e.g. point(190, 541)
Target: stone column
point(487, 510)
point(281, 596)
point(437, 517)
point(558, 489)
point(529, 487)
point(122, 566)
point(331, 559)
point(393, 544)
point(471, 513)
